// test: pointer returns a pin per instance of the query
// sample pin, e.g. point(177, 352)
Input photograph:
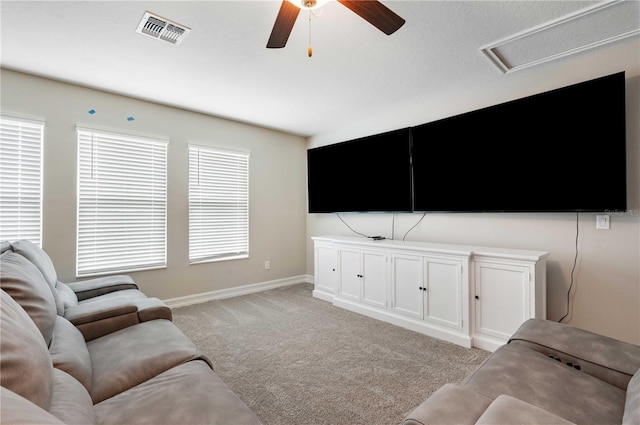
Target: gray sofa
point(95, 306)
point(548, 373)
point(144, 373)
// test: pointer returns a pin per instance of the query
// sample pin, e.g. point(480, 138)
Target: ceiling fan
point(372, 11)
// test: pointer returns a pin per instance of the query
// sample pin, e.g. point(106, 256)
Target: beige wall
point(606, 292)
point(277, 182)
point(607, 278)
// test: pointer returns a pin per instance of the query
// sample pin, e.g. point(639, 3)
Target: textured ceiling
point(359, 81)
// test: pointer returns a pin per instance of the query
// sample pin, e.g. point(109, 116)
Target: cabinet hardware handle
point(477, 297)
point(421, 288)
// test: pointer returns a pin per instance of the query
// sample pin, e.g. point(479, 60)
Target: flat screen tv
point(559, 151)
point(371, 174)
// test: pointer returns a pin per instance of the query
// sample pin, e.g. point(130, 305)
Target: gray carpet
point(294, 359)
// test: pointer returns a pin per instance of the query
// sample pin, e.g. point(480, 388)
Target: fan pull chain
point(309, 48)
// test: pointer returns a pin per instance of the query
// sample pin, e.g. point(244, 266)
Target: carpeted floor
point(294, 359)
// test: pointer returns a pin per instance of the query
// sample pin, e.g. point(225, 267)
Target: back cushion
point(66, 296)
point(17, 410)
point(37, 256)
point(69, 352)
point(632, 404)
point(22, 280)
point(25, 364)
point(41, 260)
point(5, 246)
point(71, 403)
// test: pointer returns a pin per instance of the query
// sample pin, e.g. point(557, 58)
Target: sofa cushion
point(41, 260)
point(25, 365)
point(130, 356)
point(5, 246)
point(605, 358)
point(190, 393)
point(18, 410)
point(66, 295)
point(70, 401)
point(22, 280)
point(38, 257)
point(509, 410)
point(69, 352)
point(453, 404)
point(539, 380)
point(632, 403)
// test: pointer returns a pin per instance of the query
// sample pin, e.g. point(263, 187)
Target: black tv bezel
point(616, 204)
point(382, 204)
point(572, 94)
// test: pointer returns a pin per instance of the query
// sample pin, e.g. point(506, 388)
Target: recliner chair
point(95, 306)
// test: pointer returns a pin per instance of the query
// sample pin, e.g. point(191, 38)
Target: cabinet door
point(502, 300)
point(325, 273)
point(374, 278)
point(406, 281)
point(350, 280)
point(443, 302)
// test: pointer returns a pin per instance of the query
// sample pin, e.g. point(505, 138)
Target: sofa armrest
point(451, 404)
point(605, 358)
point(99, 310)
point(91, 288)
point(510, 410)
point(153, 309)
point(99, 318)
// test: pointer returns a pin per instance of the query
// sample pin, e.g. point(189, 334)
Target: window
point(122, 203)
point(218, 204)
point(21, 179)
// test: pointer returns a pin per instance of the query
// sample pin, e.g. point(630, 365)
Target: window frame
point(25, 213)
point(117, 209)
point(198, 253)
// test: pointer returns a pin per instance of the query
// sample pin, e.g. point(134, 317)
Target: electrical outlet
point(267, 265)
point(603, 221)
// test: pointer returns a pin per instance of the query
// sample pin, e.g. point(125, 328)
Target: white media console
point(470, 295)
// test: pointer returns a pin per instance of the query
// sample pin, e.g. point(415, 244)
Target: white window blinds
point(122, 203)
point(21, 180)
point(218, 204)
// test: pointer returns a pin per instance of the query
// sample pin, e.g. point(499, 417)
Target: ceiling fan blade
point(377, 14)
point(283, 25)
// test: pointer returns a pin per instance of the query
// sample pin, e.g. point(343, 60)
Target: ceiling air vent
point(163, 29)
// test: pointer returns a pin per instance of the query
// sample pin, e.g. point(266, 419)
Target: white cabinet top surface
point(452, 249)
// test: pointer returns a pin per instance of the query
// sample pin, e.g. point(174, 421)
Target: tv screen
point(368, 174)
point(558, 151)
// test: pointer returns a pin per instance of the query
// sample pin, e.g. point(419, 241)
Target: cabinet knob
point(477, 297)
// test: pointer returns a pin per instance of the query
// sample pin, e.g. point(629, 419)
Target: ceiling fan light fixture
point(308, 4)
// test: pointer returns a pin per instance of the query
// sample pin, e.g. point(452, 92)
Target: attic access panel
point(592, 27)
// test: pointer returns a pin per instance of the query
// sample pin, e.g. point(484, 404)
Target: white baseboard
point(236, 291)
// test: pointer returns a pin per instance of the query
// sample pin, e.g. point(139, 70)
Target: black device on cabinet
point(559, 151)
